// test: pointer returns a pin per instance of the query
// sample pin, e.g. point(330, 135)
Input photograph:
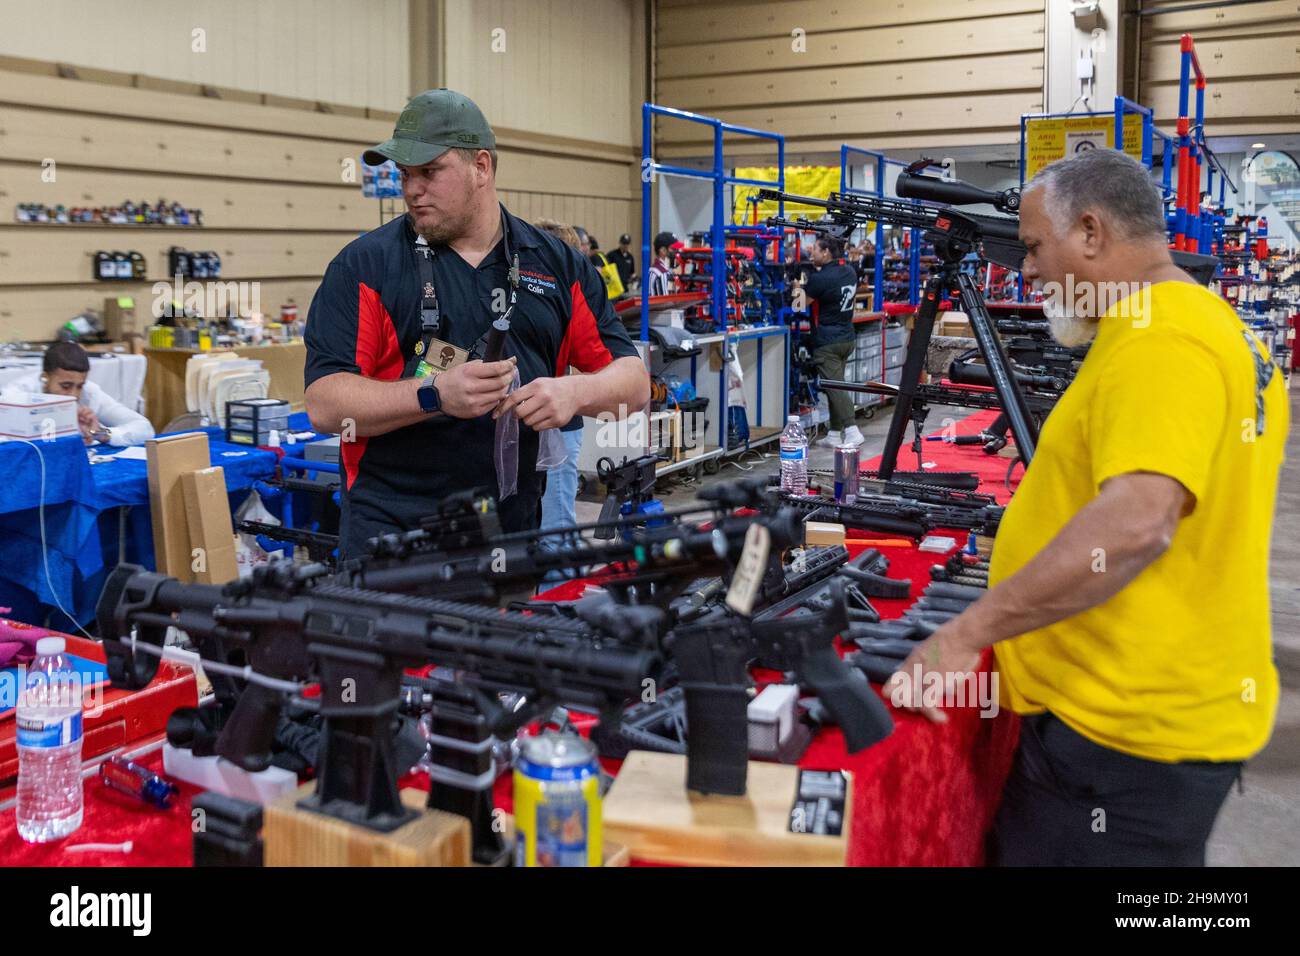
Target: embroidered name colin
point(103, 909)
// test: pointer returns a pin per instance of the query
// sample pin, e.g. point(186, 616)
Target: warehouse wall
point(561, 76)
point(271, 174)
point(1250, 54)
point(270, 181)
point(333, 51)
point(924, 72)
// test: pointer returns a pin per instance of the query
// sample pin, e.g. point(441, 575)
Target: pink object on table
point(18, 640)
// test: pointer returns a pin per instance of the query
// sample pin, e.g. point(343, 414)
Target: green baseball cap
point(432, 123)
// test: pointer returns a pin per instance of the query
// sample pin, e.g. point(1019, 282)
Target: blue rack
point(720, 178)
point(878, 267)
point(650, 170)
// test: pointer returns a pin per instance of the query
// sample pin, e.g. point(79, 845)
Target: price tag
point(749, 570)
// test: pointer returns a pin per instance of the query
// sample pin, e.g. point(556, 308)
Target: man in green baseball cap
point(399, 338)
point(450, 194)
point(432, 123)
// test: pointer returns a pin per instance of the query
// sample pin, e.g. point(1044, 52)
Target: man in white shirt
point(101, 417)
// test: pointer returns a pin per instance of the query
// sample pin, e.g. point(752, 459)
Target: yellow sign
point(1047, 140)
point(816, 181)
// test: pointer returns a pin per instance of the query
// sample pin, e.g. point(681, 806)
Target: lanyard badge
point(432, 354)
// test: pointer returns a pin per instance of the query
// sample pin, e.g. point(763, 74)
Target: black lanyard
point(490, 345)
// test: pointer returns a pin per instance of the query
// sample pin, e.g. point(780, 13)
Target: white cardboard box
point(38, 416)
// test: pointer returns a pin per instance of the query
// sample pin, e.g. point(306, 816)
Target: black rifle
point(459, 552)
point(631, 482)
point(263, 637)
point(713, 655)
point(319, 546)
point(898, 515)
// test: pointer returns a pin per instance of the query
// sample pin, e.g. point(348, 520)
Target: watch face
point(429, 399)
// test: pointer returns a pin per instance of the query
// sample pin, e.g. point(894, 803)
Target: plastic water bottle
point(49, 746)
point(794, 457)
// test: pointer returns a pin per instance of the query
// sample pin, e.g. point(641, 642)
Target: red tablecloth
point(925, 796)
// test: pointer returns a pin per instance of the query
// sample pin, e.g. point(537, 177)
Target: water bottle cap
point(49, 646)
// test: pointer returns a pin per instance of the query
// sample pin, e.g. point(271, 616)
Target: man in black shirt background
point(622, 257)
point(831, 289)
point(393, 341)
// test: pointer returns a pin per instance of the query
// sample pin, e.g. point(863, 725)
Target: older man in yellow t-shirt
point(1128, 607)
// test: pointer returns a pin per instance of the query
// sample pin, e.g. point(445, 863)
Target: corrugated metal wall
point(916, 73)
point(1250, 54)
point(334, 51)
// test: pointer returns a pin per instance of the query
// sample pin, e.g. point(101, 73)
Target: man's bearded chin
point(1068, 328)
point(441, 232)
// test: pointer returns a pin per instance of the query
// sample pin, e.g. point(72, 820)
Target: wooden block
point(823, 532)
point(207, 512)
point(298, 837)
point(650, 811)
point(170, 457)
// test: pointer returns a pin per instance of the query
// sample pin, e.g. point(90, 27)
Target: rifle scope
point(955, 193)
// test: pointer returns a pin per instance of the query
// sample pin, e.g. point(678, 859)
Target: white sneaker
point(830, 440)
point(852, 436)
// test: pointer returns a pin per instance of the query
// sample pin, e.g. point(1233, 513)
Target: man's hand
point(946, 654)
point(543, 403)
point(88, 424)
point(475, 388)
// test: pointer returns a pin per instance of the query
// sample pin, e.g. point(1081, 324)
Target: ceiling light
point(1256, 145)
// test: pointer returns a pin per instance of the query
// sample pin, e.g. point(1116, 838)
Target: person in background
point(622, 257)
point(561, 495)
point(660, 276)
point(861, 261)
point(831, 289)
point(594, 254)
point(101, 418)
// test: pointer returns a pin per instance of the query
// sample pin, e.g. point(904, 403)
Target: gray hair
point(1109, 182)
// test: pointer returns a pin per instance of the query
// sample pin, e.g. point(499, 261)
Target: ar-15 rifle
point(899, 515)
point(265, 637)
point(713, 654)
point(629, 490)
point(460, 552)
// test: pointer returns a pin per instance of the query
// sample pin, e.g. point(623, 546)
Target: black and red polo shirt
point(365, 319)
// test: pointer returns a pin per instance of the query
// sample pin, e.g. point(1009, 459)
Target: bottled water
point(49, 746)
point(794, 457)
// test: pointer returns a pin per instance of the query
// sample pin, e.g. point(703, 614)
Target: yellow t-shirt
point(1178, 665)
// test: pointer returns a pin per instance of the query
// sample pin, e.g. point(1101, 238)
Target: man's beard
point(442, 232)
point(1068, 328)
point(445, 229)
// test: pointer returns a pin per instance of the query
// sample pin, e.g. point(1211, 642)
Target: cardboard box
point(207, 511)
point(119, 317)
point(38, 416)
point(170, 457)
point(823, 533)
